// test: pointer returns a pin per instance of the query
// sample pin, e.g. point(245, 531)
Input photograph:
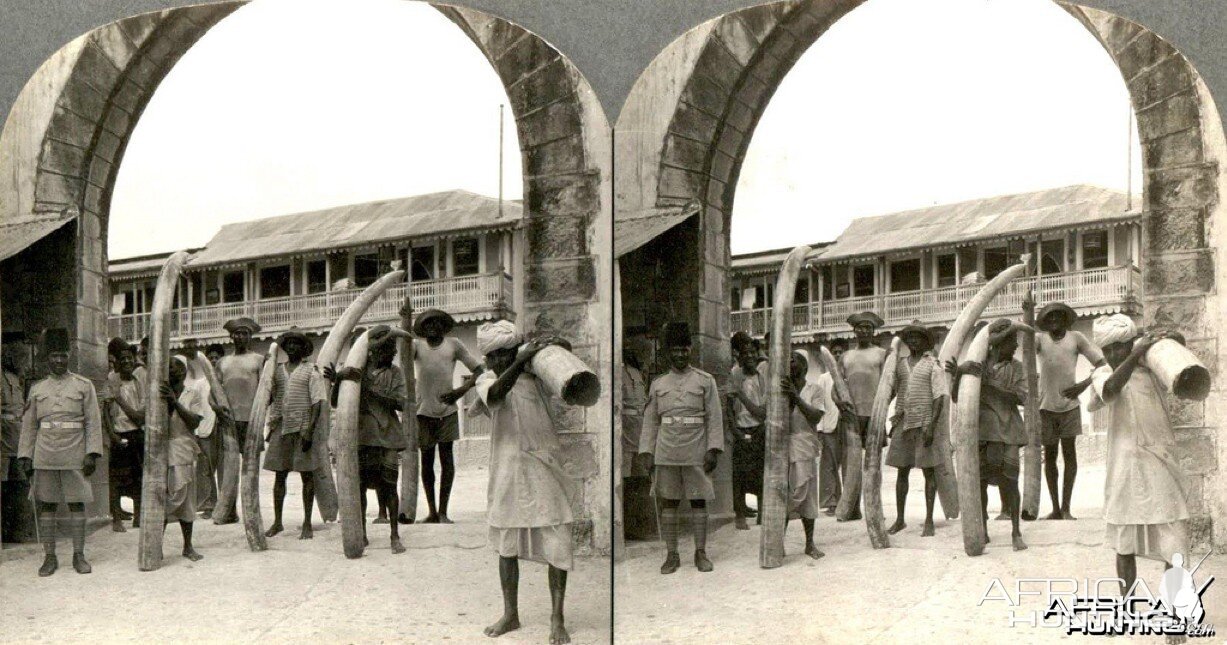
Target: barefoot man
point(380, 437)
point(1144, 494)
point(124, 410)
point(529, 496)
point(805, 411)
point(683, 436)
point(292, 431)
point(435, 355)
point(61, 441)
point(240, 374)
point(914, 442)
point(1058, 349)
point(862, 367)
point(1003, 387)
point(186, 409)
point(748, 387)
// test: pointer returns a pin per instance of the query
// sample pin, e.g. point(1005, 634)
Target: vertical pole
point(500, 161)
point(409, 458)
point(1129, 161)
point(1031, 470)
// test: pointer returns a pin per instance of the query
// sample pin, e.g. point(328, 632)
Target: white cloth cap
point(1117, 328)
point(497, 335)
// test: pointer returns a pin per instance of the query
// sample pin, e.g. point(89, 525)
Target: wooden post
point(774, 505)
point(1031, 470)
point(253, 524)
point(874, 520)
point(409, 460)
point(325, 487)
point(967, 447)
point(349, 489)
point(153, 488)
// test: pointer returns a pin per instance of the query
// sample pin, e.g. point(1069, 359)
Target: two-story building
point(304, 269)
point(925, 264)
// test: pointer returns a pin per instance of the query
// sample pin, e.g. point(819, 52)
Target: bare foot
point(928, 530)
point(1019, 545)
point(433, 518)
point(850, 518)
point(899, 525)
point(306, 533)
point(365, 542)
point(1002, 517)
point(381, 520)
point(443, 519)
point(558, 633)
point(1066, 515)
point(1028, 516)
point(207, 515)
point(504, 625)
point(987, 539)
point(136, 522)
point(273, 530)
point(404, 519)
point(192, 555)
point(1055, 515)
point(118, 526)
point(397, 547)
point(813, 552)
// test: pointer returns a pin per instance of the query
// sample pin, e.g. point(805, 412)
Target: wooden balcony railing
point(467, 295)
point(1110, 287)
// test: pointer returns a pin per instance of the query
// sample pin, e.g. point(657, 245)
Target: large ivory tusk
point(1179, 370)
point(348, 487)
point(967, 449)
point(975, 307)
point(253, 524)
point(566, 377)
point(153, 486)
point(228, 492)
point(874, 519)
point(847, 506)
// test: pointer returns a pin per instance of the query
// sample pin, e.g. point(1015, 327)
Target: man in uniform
point(683, 436)
point(1058, 349)
point(862, 368)
point(61, 441)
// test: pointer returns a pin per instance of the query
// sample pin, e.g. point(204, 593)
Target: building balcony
point(477, 297)
point(1089, 292)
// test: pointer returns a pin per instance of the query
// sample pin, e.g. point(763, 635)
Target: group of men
point(674, 430)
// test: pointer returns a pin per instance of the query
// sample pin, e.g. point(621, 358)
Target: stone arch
point(713, 84)
point(64, 140)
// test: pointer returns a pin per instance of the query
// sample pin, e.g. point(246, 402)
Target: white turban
point(1117, 328)
point(497, 335)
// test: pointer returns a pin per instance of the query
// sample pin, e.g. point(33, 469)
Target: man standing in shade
point(61, 441)
point(683, 436)
point(435, 355)
point(862, 366)
point(1058, 349)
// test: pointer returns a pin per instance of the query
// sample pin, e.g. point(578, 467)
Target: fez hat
point(916, 328)
point(55, 340)
point(117, 346)
point(865, 317)
point(677, 334)
point(242, 322)
point(1061, 307)
point(432, 314)
point(293, 333)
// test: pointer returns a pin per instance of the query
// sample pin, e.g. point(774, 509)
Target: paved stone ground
point(445, 588)
point(920, 590)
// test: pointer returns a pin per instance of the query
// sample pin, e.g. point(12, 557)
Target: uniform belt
point(670, 421)
point(67, 425)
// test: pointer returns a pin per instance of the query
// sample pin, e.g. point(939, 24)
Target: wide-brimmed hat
point(241, 322)
point(433, 314)
point(55, 340)
point(865, 317)
point(918, 329)
point(677, 334)
point(293, 333)
point(1057, 307)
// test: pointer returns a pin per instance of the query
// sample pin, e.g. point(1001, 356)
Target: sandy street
point(920, 590)
point(443, 589)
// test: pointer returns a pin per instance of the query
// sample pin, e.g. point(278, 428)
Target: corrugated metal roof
point(634, 230)
point(980, 219)
point(15, 237)
point(419, 216)
point(141, 265)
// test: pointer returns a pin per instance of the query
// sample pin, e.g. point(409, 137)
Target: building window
point(465, 257)
point(996, 259)
point(947, 270)
point(423, 263)
point(366, 269)
point(736, 299)
point(905, 276)
point(232, 286)
point(862, 280)
point(275, 282)
point(317, 276)
point(129, 302)
point(1053, 255)
point(1094, 249)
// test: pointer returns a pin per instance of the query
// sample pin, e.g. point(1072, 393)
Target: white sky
point(293, 105)
point(905, 104)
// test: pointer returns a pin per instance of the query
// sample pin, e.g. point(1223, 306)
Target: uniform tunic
point(61, 425)
point(1144, 491)
point(681, 422)
point(12, 404)
point(528, 500)
point(634, 399)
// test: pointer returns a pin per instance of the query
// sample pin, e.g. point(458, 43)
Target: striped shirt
point(918, 386)
point(304, 388)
